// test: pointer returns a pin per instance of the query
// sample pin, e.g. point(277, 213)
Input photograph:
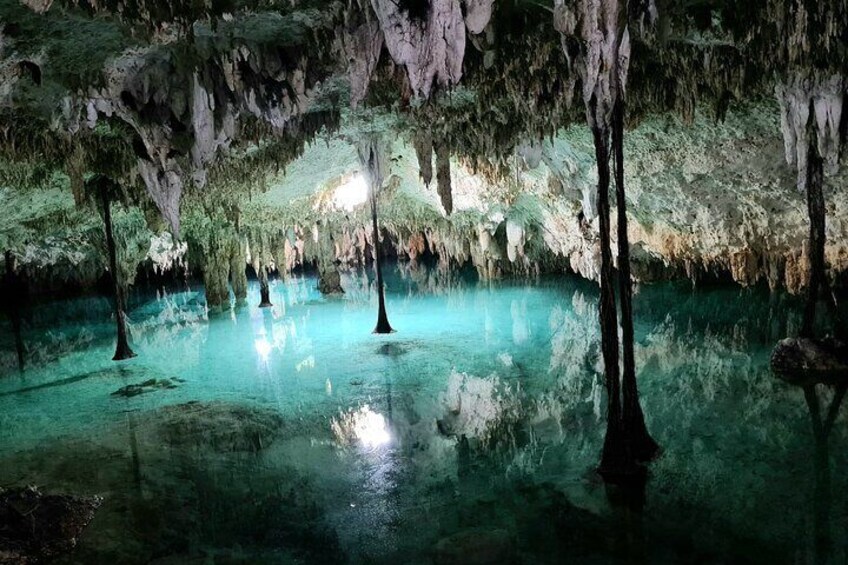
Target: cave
point(423, 281)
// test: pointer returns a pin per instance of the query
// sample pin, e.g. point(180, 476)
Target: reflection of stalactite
point(823, 544)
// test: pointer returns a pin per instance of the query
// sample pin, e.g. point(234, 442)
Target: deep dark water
point(293, 434)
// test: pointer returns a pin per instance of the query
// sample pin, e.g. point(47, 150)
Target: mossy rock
point(220, 426)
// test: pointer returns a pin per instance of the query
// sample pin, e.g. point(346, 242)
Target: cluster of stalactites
point(361, 44)
point(209, 110)
point(602, 59)
point(425, 148)
point(824, 96)
point(431, 48)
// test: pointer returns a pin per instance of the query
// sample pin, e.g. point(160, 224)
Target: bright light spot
point(263, 348)
point(351, 193)
point(370, 428)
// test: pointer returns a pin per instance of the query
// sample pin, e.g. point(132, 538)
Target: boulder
point(219, 426)
point(36, 527)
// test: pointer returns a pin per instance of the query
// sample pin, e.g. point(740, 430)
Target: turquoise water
point(293, 434)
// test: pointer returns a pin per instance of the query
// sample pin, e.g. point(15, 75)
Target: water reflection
point(480, 419)
point(822, 550)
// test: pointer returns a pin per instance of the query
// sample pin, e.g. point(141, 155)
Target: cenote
point(288, 434)
point(423, 281)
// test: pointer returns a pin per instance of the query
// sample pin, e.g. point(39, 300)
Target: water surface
point(293, 434)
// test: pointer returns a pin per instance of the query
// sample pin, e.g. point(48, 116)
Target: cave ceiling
point(256, 105)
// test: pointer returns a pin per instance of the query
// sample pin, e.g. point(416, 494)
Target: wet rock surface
point(36, 527)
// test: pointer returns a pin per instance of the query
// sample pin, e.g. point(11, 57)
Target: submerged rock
point(392, 350)
point(805, 361)
point(35, 527)
point(330, 282)
point(475, 547)
point(147, 386)
point(219, 426)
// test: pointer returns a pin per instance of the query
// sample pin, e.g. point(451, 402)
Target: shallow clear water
point(293, 434)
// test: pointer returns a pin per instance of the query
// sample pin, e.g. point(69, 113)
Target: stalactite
point(443, 176)
point(362, 45)
point(264, 287)
point(602, 62)
point(372, 159)
point(122, 348)
point(431, 48)
point(423, 143)
point(613, 458)
point(814, 179)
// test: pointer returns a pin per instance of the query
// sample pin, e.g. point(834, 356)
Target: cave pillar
point(329, 278)
point(613, 457)
point(216, 270)
point(215, 283)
